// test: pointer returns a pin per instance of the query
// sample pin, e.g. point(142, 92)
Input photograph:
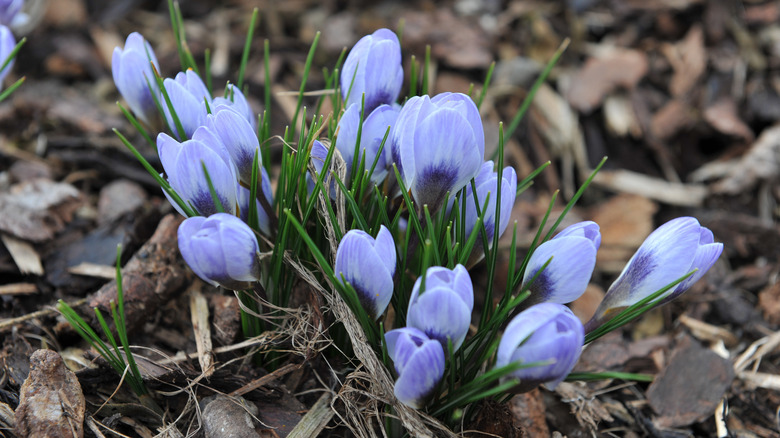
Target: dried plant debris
point(38, 209)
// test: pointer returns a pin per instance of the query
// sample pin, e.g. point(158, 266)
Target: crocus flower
point(243, 195)
point(373, 67)
point(443, 310)
point(7, 44)
point(133, 75)
point(438, 145)
point(373, 131)
point(183, 164)
point(419, 362)
point(487, 182)
point(368, 265)
point(239, 139)
point(221, 250)
point(236, 99)
point(189, 96)
point(671, 251)
point(547, 334)
point(10, 13)
point(572, 255)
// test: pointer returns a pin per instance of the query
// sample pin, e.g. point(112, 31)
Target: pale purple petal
point(568, 273)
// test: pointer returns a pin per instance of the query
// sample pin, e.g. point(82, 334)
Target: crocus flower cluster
point(437, 145)
point(207, 160)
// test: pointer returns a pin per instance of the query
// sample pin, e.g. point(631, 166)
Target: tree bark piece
point(51, 402)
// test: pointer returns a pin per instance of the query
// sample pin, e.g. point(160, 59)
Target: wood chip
point(40, 207)
point(722, 115)
point(689, 60)
point(600, 76)
point(26, 258)
point(199, 313)
point(690, 387)
point(708, 332)
point(94, 270)
point(18, 289)
point(624, 181)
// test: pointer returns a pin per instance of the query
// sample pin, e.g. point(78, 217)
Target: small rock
point(51, 402)
point(117, 198)
point(228, 417)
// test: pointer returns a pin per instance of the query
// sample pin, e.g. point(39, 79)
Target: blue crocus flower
point(419, 362)
point(221, 250)
point(443, 310)
point(671, 251)
point(373, 67)
point(368, 265)
point(547, 334)
point(10, 13)
point(243, 195)
point(438, 145)
point(239, 139)
point(572, 255)
point(375, 126)
point(183, 165)
point(236, 100)
point(487, 182)
point(189, 96)
point(7, 44)
point(133, 75)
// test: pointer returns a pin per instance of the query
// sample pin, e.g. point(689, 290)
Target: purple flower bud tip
point(189, 96)
point(486, 183)
point(11, 15)
point(548, 334)
point(373, 68)
point(221, 250)
point(419, 362)
point(183, 164)
point(236, 100)
point(572, 257)
point(673, 250)
point(443, 310)
point(239, 139)
point(133, 75)
point(438, 145)
point(374, 128)
point(368, 265)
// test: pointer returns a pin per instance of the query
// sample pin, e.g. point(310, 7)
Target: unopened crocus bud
point(547, 334)
point(10, 13)
point(263, 221)
point(189, 97)
point(238, 137)
point(671, 251)
point(375, 126)
point(419, 362)
point(443, 309)
point(572, 256)
point(236, 100)
point(373, 67)
point(183, 164)
point(7, 44)
point(438, 145)
point(221, 250)
point(133, 75)
point(487, 182)
point(368, 265)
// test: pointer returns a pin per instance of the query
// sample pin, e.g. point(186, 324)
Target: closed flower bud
point(671, 251)
point(263, 221)
point(236, 100)
point(547, 334)
point(368, 265)
point(487, 182)
point(183, 164)
point(239, 139)
point(443, 309)
point(375, 126)
point(189, 96)
point(438, 145)
point(221, 250)
point(133, 75)
point(11, 15)
point(419, 362)
point(572, 255)
point(373, 67)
